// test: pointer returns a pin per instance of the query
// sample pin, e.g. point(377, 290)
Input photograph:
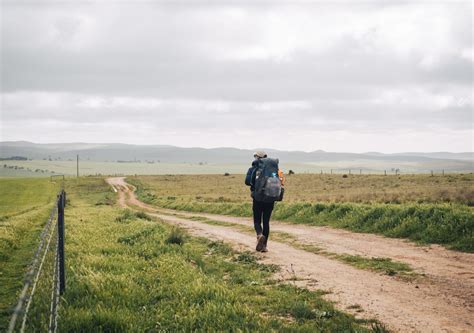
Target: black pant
point(261, 213)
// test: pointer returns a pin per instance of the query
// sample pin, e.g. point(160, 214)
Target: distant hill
point(113, 152)
point(442, 155)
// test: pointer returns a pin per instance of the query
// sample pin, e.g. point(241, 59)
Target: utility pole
point(77, 165)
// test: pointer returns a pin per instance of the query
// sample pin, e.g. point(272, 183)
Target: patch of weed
point(176, 236)
point(383, 265)
point(129, 215)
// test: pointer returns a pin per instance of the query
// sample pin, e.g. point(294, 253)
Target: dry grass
point(321, 188)
point(422, 208)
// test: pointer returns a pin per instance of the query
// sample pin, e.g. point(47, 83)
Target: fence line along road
point(37, 270)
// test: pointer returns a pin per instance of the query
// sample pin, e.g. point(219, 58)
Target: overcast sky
point(387, 76)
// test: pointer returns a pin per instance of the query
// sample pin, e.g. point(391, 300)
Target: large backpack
point(267, 181)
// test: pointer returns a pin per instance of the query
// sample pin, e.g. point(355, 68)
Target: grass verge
point(25, 205)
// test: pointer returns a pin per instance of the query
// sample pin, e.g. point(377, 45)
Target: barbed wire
point(35, 282)
point(35, 271)
point(53, 317)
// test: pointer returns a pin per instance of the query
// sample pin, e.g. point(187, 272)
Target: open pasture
point(316, 188)
point(41, 168)
point(424, 208)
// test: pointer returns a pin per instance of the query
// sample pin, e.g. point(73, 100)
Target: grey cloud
point(388, 112)
point(164, 54)
point(362, 67)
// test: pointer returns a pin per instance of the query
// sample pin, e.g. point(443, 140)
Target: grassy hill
point(164, 159)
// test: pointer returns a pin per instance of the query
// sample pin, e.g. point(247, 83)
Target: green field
point(25, 205)
point(130, 272)
point(420, 207)
point(42, 168)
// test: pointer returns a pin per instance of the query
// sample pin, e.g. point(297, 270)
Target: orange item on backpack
point(282, 178)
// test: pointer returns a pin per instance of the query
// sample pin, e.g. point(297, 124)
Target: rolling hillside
point(311, 161)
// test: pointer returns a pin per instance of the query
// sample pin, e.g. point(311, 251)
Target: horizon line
point(228, 147)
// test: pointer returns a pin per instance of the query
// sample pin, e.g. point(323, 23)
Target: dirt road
point(442, 301)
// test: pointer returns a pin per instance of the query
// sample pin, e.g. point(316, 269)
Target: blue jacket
point(250, 177)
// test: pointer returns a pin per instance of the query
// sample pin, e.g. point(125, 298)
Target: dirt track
point(443, 301)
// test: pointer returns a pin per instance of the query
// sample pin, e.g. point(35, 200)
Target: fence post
point(62, 276)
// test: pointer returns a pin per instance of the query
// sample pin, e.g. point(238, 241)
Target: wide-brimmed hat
point(260, 154)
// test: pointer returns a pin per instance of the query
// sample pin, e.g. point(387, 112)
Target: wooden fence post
point(62, 275)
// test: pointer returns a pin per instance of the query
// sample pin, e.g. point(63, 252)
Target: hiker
point(265, 181)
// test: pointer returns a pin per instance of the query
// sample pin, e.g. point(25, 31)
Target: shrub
point(176, 236)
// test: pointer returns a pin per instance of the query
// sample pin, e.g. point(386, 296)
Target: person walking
point(264, 179)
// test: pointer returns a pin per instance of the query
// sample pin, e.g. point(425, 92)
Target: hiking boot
point(260, 242)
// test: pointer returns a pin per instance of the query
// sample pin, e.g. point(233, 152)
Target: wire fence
point(374, 172)
point(38, 302)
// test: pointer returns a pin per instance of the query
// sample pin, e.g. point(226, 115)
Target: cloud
point(312, 68)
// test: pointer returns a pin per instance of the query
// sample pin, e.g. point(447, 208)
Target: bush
point(176, 236)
